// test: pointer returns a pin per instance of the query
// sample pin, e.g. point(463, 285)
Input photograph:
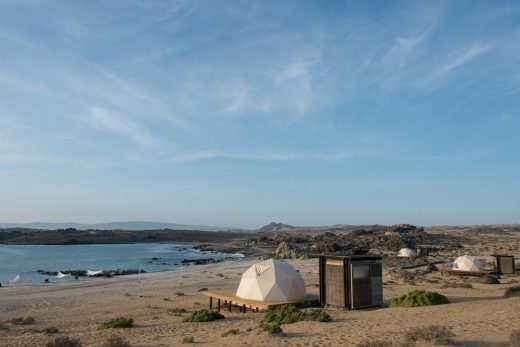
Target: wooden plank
point(234, 300)
point(334, 279)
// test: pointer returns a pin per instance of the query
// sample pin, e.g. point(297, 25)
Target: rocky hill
point(276, 227)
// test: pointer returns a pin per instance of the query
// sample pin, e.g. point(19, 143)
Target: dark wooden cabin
point(351, 282)
point(504, 264)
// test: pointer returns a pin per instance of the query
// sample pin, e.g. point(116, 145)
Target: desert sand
point(479, 316)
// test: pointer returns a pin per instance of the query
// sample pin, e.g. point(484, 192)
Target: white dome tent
point(271, 280)
point(406, 252)
point(467, 263)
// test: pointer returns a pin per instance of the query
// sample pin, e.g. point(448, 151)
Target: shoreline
point(189, 255)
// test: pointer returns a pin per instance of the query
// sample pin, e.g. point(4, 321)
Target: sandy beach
point(479, 316)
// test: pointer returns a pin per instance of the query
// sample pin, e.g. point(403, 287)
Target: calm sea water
point(27, 259)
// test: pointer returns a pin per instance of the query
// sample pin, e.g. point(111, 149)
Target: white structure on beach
point(271, 280)
point(406, 252)
point(467, 263)
point(17, 278)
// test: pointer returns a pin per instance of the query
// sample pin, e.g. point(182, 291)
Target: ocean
point(26, 260)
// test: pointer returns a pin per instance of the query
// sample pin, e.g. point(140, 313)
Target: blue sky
point(236, 113)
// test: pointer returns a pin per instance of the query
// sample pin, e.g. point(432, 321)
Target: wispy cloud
point(102, 119)
point(263, 156)
point(463, 57)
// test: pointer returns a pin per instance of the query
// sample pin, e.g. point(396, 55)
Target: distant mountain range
point(114, 226)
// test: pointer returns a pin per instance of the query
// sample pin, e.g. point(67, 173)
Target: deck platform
point(229, 301)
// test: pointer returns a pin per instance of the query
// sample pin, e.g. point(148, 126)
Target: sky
point(239, 113)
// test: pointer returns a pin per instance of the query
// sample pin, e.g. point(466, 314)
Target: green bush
point(419, 298)
point(433, 334)
point(284, 314)
point(203, 316)
point(230, 332)
point(287, 314)
point(307, 304)
point(272, 328)
point(119, 322)
point(64, 341)
point(317, 315)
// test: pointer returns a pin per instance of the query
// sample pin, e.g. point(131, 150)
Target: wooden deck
point(229, 301)
point(449, 271)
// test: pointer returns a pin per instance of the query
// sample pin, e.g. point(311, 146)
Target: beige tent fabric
point(271, 280)
point(467, 263)
point(406, 252)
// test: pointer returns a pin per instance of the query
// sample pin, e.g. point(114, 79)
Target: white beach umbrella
point(467, 263)
point(272, 280)
point(94, 273)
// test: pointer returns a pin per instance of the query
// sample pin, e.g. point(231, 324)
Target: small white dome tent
point(467, 263)
point(406, 252)
point(271, 280)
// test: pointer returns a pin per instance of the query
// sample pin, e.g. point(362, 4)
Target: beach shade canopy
point(94, 273)
point(271, 280)
point(61, 275)
point(17, 278)
point(406, 252)
point(467, 263)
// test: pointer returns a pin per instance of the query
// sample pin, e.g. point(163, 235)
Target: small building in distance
point(504, 264)
point(351, 282)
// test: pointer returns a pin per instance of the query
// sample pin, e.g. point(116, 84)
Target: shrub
point(512, 291)
point(179, 294)
point(188, 339)
point(176, 311)
point(119, 322)
point(64, 341)
point(287, 314)
point(317, 315)
point(116, 341)
point(417, 298)
point(203, 289)
point(306, 304)
point(203, 316)
point(249, 329)
point(230, 332)
point(284, 314)
point(272, 328)
point(514, 339)
point(23, 321)
point(433, 334)
point(375, 343)
point(3, 327)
